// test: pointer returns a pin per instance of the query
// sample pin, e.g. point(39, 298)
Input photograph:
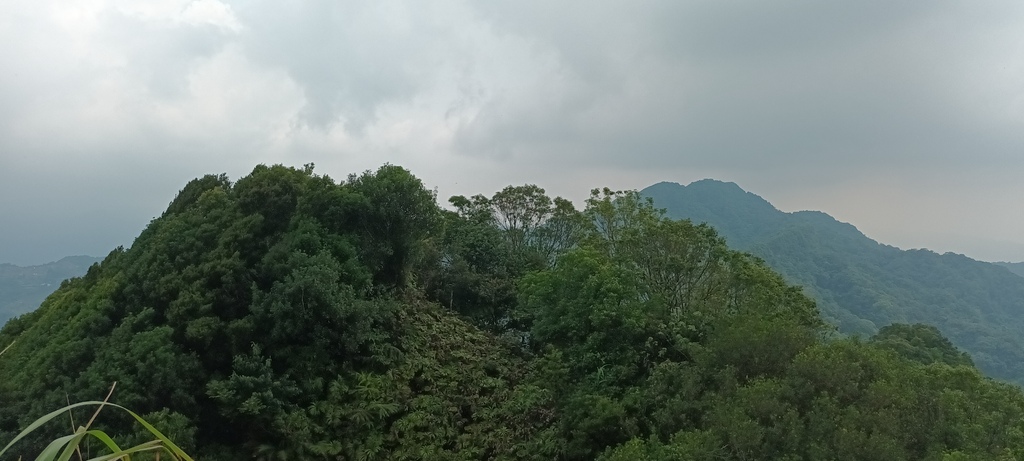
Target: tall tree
point(398, 213)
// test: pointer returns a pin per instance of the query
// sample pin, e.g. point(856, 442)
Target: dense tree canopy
point(290, 316)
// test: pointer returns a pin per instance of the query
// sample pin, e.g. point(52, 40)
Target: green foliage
point(860, 285)
point(63, 448)
point(920, 343)
point(253, 319)
point(488, 244)
point(287, 316)
point(396, 214)
point(67, 446)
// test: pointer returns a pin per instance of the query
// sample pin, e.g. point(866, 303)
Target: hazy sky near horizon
point(905, 119)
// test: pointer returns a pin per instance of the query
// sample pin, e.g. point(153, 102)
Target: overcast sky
point(905, 119)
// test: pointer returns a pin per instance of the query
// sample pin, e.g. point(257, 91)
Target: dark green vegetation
point(289, 316)
point(861, 285)
point(22, 289)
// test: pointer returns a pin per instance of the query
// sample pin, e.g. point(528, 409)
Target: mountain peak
point(716, 183)
point(735, 212)
point(861, 285)
point(701, 184)
point(710, 188)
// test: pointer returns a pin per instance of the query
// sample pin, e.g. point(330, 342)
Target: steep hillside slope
point(862, 285)
point(289, 316)
point(262, 319)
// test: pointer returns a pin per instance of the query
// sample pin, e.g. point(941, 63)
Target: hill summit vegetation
point(291, 316)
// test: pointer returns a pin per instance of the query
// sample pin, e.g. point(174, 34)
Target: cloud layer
point(905, 119)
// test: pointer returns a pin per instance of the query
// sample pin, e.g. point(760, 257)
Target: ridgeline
point(861, 285)
point(291, 316)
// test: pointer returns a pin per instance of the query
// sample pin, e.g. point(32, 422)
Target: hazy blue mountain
point(22, 289)
point(1016, 268)
point(862, 285)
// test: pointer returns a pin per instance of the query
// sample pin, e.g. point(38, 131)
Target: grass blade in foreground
point(160, 442)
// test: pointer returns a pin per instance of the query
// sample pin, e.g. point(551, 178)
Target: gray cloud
point(350, 58)
point(893, 116)
point(757, 85)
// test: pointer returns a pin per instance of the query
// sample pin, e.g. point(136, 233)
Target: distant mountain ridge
point(23, 288)
point(1016, 268)
point(743, 218)
point(860, 284)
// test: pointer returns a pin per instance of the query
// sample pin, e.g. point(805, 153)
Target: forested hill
point(22, 289)
point(861, 285)
point(1016, 268)
point(291, 316)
